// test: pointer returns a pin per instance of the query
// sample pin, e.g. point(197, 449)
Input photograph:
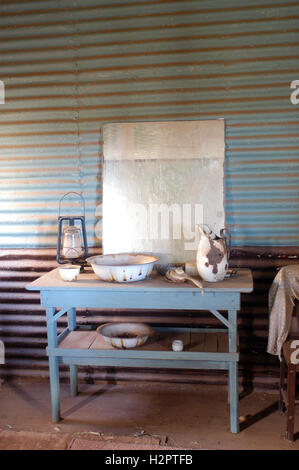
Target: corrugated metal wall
point(69, 66)
point(23, 327)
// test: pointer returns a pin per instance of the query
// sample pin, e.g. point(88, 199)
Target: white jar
point(177, 345)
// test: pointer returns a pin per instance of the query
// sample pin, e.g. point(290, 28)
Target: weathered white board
point(171, 140)
point(160, 180)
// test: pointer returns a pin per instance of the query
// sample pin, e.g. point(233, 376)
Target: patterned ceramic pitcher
point(213, 254)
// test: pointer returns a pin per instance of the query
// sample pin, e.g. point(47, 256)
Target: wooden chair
point(287, 385)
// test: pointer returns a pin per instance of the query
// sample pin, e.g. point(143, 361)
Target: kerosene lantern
point(72, 240)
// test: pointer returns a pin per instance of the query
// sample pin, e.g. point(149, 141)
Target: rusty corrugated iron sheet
point(23, 325)
point(71, 67)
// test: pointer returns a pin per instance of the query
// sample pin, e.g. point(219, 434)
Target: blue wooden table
point(77, 345)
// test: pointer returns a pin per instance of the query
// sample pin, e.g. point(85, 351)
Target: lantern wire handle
point(78, 194)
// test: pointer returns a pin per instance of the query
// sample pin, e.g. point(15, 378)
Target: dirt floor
point(110, 416)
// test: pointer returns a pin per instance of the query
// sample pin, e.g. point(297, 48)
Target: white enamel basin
point(125, 335)
point(122, 267)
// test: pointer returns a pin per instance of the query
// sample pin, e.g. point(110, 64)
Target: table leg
point(232, 331)
point(54, 387)
point(74, 380)
point(233, 373)
point(234, 397)
point(71, 317)
point(53, 365)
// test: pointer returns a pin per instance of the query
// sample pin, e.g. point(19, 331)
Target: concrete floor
point(181, 415)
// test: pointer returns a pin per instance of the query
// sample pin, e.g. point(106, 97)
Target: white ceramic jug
point(213, 254)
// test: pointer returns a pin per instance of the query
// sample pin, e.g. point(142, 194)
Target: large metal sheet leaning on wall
point(160, 180)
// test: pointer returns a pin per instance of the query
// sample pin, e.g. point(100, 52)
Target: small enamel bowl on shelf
point(125, 335)
point(69, 272)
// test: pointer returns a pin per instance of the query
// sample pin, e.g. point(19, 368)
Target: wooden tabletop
point(241, 282)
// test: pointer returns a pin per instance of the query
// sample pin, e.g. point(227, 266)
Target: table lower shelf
point(201, 350)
